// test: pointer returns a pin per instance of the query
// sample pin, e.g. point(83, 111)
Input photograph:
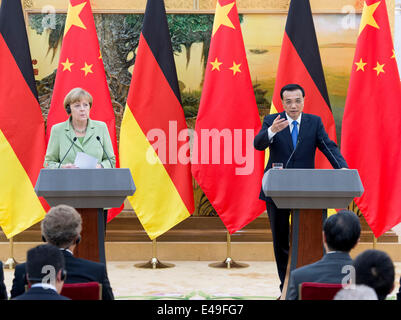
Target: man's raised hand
point(279, 124)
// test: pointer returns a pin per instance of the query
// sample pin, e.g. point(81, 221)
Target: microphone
point(293, 151)
point(73, 141)
point(104, 150)
point(330, 153)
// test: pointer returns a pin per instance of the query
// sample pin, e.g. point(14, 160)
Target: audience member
point(341, 233)
point(61, 227)
point(3, 291)
point(375, 269)
point(356, 292)
point(45, 270)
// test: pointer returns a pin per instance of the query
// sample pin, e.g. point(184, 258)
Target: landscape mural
point(190, 35)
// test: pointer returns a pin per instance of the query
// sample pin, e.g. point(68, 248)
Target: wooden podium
point(89, 191)
point(309, 192)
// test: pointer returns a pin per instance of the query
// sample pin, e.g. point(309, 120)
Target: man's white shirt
point(272, 134)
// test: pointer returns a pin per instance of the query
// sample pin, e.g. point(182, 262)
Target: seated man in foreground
point(341, 233)
point(61, 227)
point(45, 271)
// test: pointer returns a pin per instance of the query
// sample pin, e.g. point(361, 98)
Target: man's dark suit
point(312, 135)
point(326, 270)
point(3, 290)
point(78, 270)
point(38, 293)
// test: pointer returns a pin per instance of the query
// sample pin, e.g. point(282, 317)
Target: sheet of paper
point(85, 161)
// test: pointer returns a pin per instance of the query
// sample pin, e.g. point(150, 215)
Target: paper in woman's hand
point(85, 161)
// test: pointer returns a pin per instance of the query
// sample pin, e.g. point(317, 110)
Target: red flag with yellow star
point(81, 65)
point(371, 125)
point(224, 162)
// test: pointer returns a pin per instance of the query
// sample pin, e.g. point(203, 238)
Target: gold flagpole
point(11, 263)
point(229, 262)
point(154, 263)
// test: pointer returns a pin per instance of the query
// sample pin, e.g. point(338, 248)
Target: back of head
point(342, 231)
point(356, 292)
point(61, 226)
point(375, 269)
point(43, 263)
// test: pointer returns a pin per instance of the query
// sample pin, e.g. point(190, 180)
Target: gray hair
point(61, 226)
point(357, 292)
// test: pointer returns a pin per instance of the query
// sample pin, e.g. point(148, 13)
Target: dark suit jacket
point(326, 270)
point(38, 293)
point(3, 291)
point(312, 135)
point(78, 270)
point(399, 292)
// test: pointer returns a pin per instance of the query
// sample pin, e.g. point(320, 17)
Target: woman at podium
point(79, 134)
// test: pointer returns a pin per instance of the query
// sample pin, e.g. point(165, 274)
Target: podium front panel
point(312, 188)
point(85, 188)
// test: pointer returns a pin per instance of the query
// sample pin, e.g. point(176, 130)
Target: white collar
point(334, 251)
point(65, 249)
point(291, 119)
point(44, 286)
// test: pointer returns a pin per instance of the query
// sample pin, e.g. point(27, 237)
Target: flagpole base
point(228, 264)
point(10, 263)
point(154, 263)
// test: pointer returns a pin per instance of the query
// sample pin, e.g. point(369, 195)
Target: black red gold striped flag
point(300, 63)
point(22, 132)
point(154, 142)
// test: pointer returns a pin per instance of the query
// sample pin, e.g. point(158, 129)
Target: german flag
point(154, 142)
point(22, 131)
point(300, 63)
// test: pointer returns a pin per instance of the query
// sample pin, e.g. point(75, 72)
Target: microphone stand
point(104, 150)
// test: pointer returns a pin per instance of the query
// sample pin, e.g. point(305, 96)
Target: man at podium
point(79, 134)
point(292, 138)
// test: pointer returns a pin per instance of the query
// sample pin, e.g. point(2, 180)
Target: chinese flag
point(224, 163)
point(371, 127)
point(300, 63)
point(81, 65)
point(22, 129)
point(154, 139)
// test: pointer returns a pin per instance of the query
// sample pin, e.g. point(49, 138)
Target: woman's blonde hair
point(75, 95)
